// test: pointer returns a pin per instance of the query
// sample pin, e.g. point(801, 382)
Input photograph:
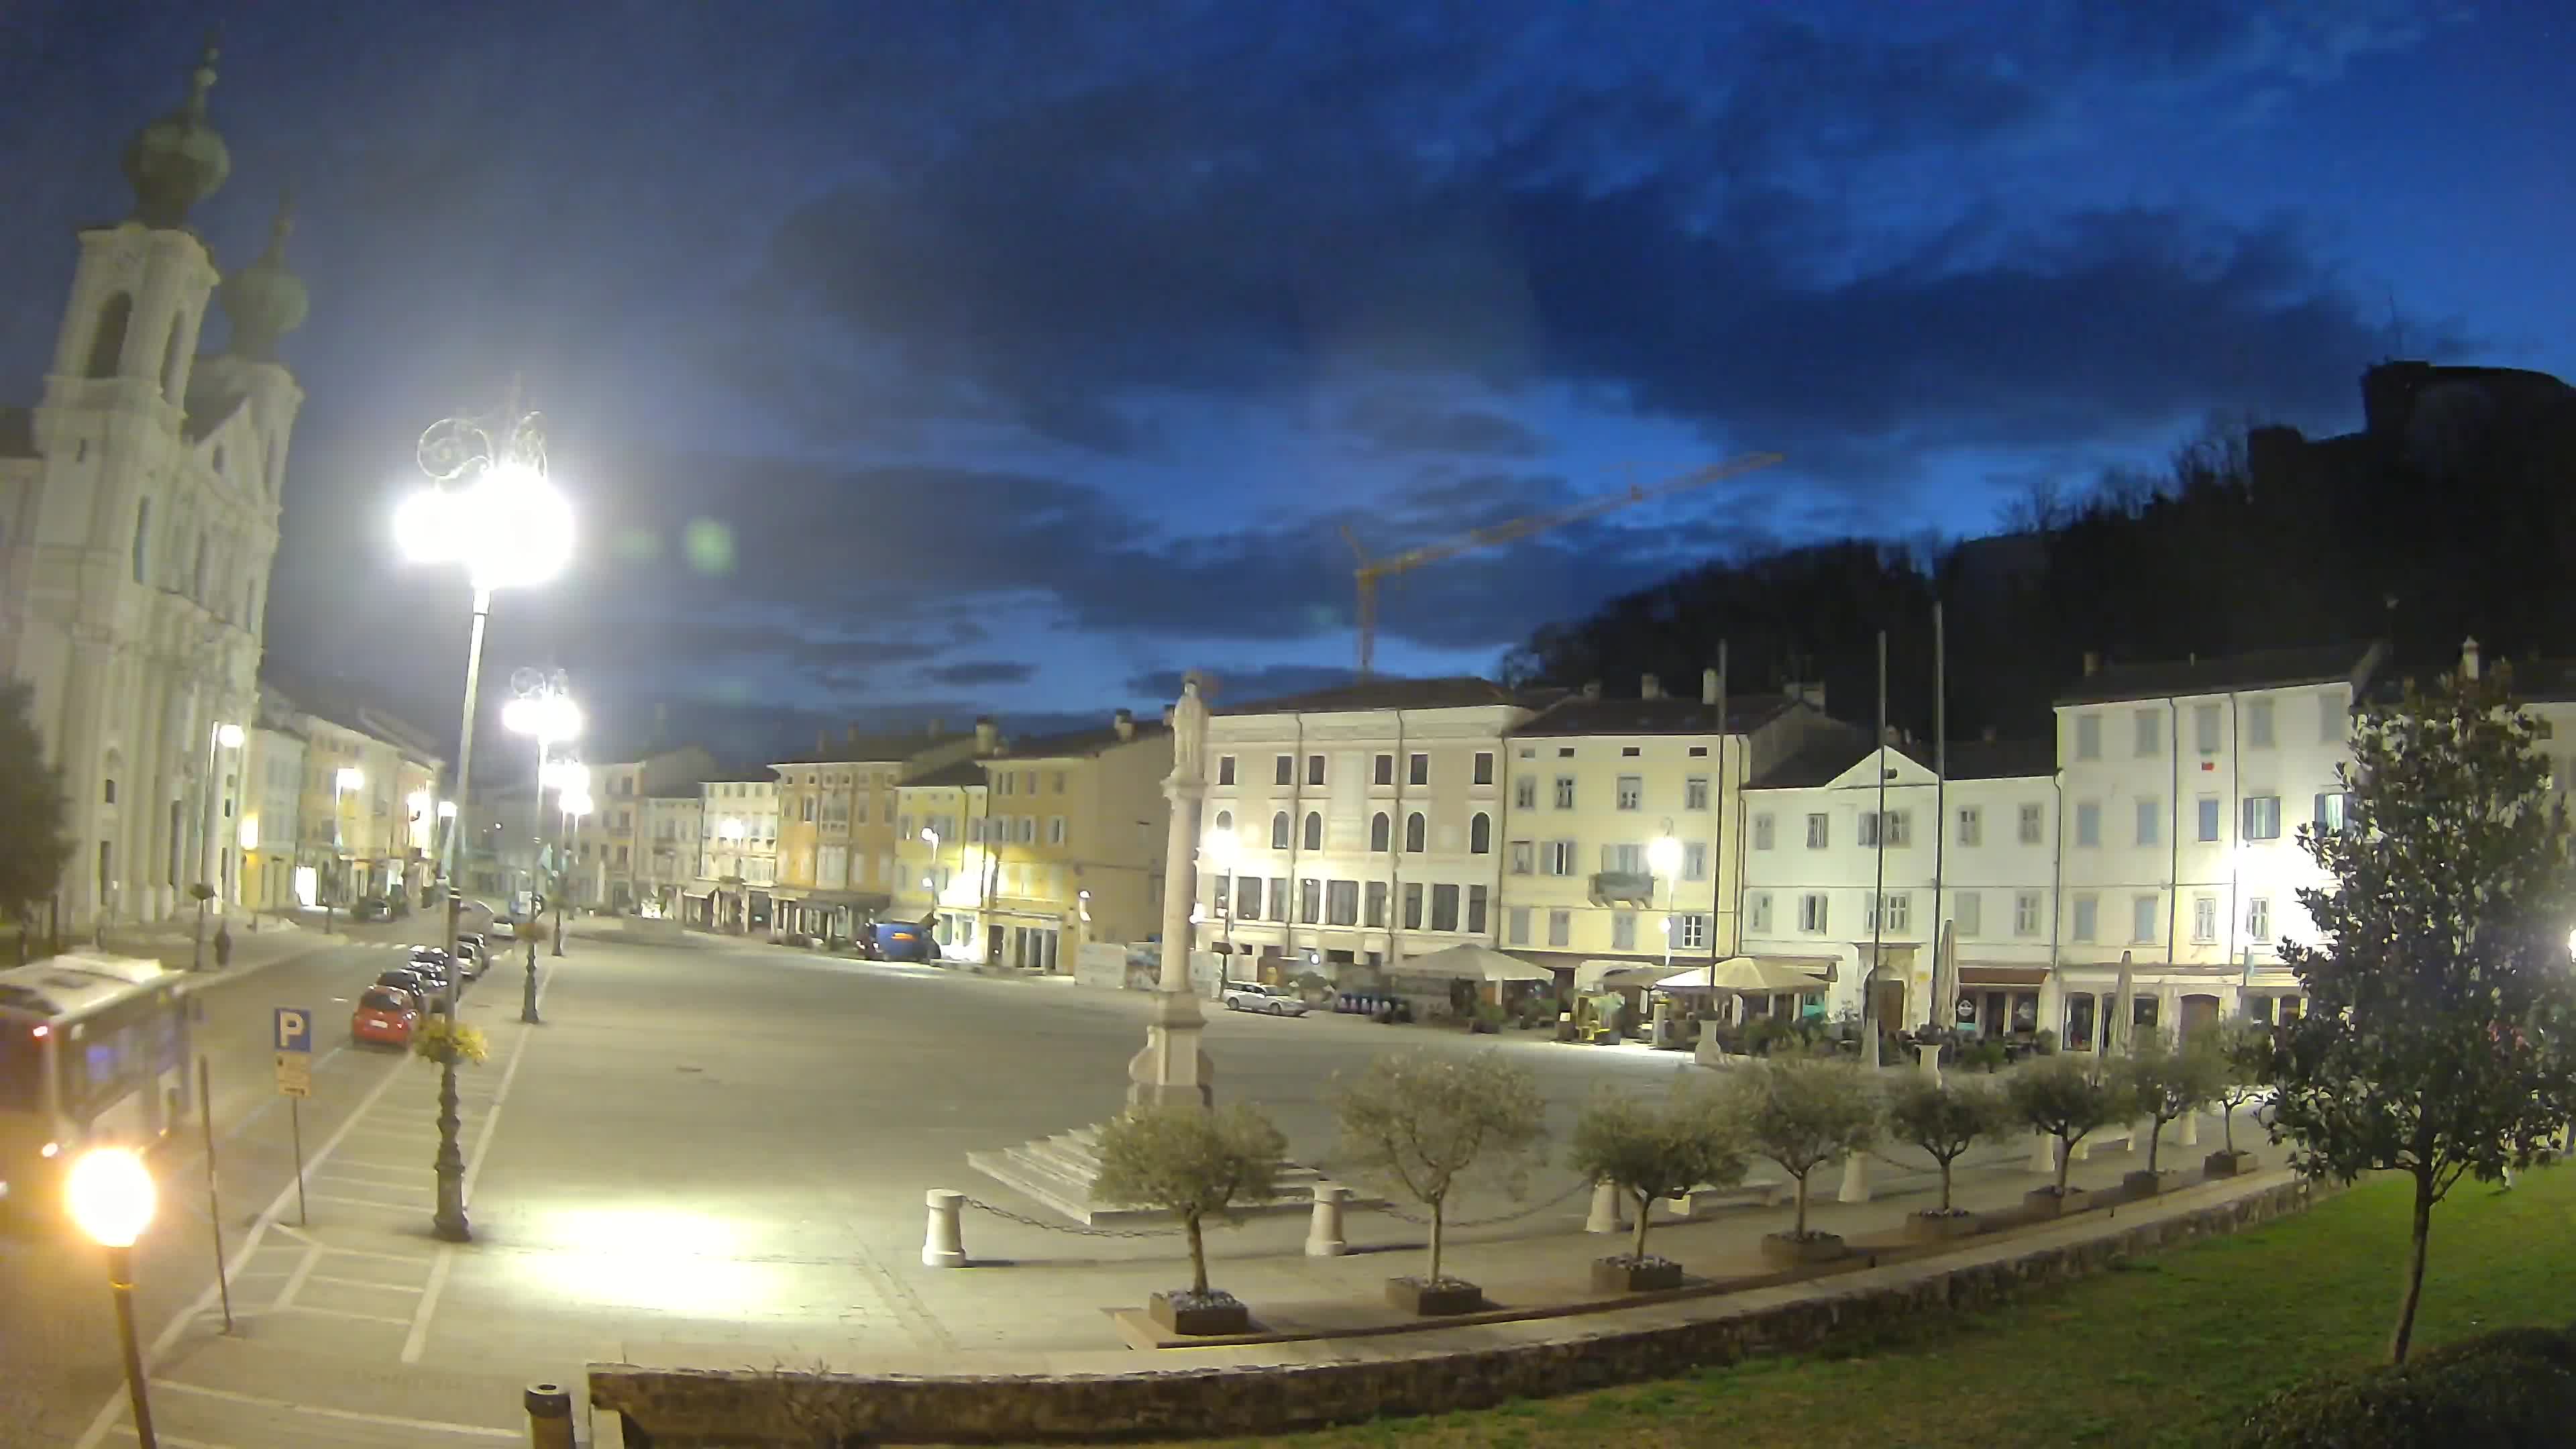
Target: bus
point(94, 1052)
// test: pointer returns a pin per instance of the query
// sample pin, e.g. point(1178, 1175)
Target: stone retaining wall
point(1263, 1389)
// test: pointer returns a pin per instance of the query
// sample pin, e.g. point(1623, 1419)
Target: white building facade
point(1361, 826)
point(1839, 872)
point(1594, 783)
point(669, 832)
point(138, 520)
point(737, 851)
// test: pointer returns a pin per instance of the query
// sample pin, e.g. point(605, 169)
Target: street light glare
point(1664, 855)
point(229, 736)
point(576, 802)
point(351, 778)
point(1221, 848)
point(111, 1196)
point(446, 809)
point(511, 528)
point(548, 717)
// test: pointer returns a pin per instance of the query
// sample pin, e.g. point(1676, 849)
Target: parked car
point(504, 929)
point(471, 958)
point(426, 982)
point(385, 1016)
point(369, 908)
point(1269, 1000)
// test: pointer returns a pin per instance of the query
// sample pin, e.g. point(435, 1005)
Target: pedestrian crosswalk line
point(354, 1416)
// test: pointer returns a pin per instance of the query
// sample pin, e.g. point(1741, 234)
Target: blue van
point(904, 941)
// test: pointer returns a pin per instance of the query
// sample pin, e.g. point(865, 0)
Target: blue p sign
point(294, 1029)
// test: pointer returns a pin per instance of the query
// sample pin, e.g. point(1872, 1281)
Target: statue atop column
point(1189, 732)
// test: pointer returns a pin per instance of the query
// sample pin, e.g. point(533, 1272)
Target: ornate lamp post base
point(448, 1224)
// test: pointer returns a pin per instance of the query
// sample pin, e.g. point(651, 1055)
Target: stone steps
point(1058, 1171)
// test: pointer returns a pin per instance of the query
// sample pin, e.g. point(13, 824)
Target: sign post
point(294, 1044)
point(214, 1199)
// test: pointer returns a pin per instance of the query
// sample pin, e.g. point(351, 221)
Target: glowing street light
point(110, 1195)
point(544, 711)
point(223, 737)
point(491, 510)
point(1664, 858)
point(1221, 850)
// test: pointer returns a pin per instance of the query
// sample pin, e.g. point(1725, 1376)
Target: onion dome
point(264, 300)
point(177, 161)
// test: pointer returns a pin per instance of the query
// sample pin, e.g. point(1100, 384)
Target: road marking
point(178, 1324)
point(492, 1118)
point(423, 1311)
point(173, 1440)
point(374, 1166)
point(353, 1416)
point(400, 1207)
point(364, 1283)
point(342, 1313)
point(352, 1252)
point(361, 1179)
point(295, 1281)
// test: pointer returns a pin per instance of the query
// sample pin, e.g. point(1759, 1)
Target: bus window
point(22, 1069)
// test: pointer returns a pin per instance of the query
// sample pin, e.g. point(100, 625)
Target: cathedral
point(138, 520)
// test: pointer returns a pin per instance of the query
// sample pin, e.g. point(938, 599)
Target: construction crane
point(1372, 571)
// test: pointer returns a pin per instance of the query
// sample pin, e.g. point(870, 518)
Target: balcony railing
point(1624, 885)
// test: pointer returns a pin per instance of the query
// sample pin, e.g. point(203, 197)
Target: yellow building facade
point(837, 813)
point(938, 872)
point(1071, 843)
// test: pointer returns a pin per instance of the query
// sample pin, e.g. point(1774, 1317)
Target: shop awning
point(1972, 973)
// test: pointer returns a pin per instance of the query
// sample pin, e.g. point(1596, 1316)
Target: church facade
point(140, 501)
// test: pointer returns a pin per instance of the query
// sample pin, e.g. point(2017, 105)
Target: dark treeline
point(2452, 514)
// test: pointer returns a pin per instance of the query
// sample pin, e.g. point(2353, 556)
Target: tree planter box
point(1635, 1275)
point(1939, 1227)
point(2143, 1184)
point(1781, 1250)
point(1187, 1313)
point(2224, 1163)
point(2043, 1202)
point(1425, 1299)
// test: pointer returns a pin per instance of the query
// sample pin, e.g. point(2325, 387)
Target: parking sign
point(294, 1029)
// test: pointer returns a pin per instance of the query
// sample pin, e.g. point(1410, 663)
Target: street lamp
point(575, 802)
point(1222, 849)
point(110, 1196)
point(545, 712)
point(1664, 858)
point(491, 509)
point(222, 737)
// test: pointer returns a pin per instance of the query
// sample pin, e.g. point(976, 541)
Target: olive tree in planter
point(2244, 1052)
point(1421, 1123)
point(1194, 1164)
point(1803, 1112)
point(1945, 1119)
point(1651, 1150)
point(2062, 1097)
point(2165, 1082)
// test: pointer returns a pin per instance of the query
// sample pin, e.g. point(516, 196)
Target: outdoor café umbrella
point(1476, 963)
point(1742, 975)
point(2123, 1012)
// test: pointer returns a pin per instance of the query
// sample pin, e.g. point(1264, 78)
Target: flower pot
point(1787, 1250)
point(1196, 1316)
point(1936, 1226)
point(1635, 1275)
point(2224, 1163)
point(2044, 1202)
point(2142, 1183)
point(1424, 1298)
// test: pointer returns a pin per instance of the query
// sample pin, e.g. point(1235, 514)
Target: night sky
point(936, 359)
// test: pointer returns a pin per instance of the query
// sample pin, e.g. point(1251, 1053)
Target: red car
point(386, 1016)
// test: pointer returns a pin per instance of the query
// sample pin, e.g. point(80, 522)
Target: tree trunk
point(2065, 1160)
point(2227, 1125)
point(1437, 1224)
point(1945, 1184)
point(2155, 1141)
point(1198, 1255)
point(1645, 1211)
point(2421, 1237)
point(1801, 1232)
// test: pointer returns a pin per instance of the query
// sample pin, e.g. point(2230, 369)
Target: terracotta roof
point(949, 776)
point(2222, 674)
point(1079, 742)
point(1825, 760)
point(748, 774)
point(1454, 693)
point(885, 749)
point(1667, 716)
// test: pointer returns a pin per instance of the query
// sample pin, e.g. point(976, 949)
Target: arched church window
point(107, 340)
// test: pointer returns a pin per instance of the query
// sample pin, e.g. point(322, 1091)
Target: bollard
point(1604, 1217)
point(1324, 1230)
point(2191, 1129)
point(2043, 1153)
point(1930, 1057)
point(549, 1416)
point(1855, 1178)
point(943, 1246)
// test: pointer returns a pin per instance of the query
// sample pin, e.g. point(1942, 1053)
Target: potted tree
point(1651, 1150)
point(1192, 1163)
point(1803, 1112)
point(1420, 1124)
point(1945, 1119)
point(2165, 1082)
point(2244, 1052)
point(2058, 1096)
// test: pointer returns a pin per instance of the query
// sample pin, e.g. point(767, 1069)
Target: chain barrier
point(1006, 1215)
point(1581, 1184)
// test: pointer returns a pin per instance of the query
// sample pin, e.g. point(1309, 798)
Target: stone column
point(1172, 1068)
point(1855, 1186)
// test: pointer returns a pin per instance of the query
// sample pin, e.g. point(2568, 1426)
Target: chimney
point(2092, 662)
point(853, 735)
point(938, 726)
point(1124, 721)
point(1650, 686)
point(822, 740)
point(1895, 737)
point(2469, 658)
point(988, 736)
point(1708, 686)
point(1168, 714)
point(1592, 689)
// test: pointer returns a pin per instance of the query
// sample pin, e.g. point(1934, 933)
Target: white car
point(1269, 1000)
point(504, 929)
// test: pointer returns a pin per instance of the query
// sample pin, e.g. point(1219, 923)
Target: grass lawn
point(2170, 1351)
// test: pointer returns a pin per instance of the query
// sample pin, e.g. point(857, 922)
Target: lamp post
point(343, 780)
point(222, 737)
point(573, 798)
point(544, 710)
point(1664, 858)
point(110, 1195)
point(731, 832)
point(491, 509)
point(1221, 850)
